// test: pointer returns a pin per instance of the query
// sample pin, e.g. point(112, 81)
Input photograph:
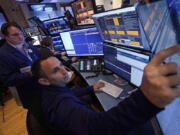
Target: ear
point(44, 81)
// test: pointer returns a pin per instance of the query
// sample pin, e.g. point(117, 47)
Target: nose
point(20, 37)
point(63, 70)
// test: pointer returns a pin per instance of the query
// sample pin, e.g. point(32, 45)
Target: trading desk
point(107, 101)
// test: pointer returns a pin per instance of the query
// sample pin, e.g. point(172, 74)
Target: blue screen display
point(86, 42)
point(125, 63)
point(54, 27)
point(122, 27)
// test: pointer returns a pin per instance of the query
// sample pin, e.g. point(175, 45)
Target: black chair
point(34, 127)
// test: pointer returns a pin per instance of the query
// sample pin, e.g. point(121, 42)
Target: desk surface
point(106, 100)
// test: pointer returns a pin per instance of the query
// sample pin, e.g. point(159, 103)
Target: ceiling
point(60, 1)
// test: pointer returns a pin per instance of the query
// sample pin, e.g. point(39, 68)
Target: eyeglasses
point(16, 34)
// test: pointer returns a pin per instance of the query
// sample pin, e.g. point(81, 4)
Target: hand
point(63, 53)
point(73, 59)
point(160, 81)
point(97, 86)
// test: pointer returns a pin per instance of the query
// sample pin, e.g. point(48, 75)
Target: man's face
point(55, 72)
point(15, 36)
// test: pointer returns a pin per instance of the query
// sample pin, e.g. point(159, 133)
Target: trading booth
point(114, 46)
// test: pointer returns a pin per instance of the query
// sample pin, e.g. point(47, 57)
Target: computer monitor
point(157, 24)
point(169, 119)
point(85, 42)
point(160, 20)
point(56, 26)
point(126, 63)
point(122, 27)
point(37, 22)
point(31, 31)
point(83, 9)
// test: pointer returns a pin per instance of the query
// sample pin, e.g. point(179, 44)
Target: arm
point(10, 76)
point(73, 116)
point(10, 65)
point(82, 91)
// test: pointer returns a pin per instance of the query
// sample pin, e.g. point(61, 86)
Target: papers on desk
point(111, 89)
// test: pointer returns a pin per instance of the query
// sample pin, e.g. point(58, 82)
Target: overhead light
point(30, 1)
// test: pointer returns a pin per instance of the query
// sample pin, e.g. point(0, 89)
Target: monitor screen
point(156, 23)
point(57, 42)
point(2, 20)
point(86, 42)
point(37, 22)
point(122, 27)
point(126, 63)
point(82, 11)
point(31, 31)
point(56, 26)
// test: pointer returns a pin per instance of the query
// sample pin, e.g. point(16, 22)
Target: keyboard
point(111, 89)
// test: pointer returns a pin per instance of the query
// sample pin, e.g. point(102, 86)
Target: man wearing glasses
point(16, 58)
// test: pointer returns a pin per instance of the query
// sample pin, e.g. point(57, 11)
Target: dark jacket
point(12, 61)
point(65, 114)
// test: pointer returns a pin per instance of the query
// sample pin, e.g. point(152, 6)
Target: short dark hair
point(5, 26)
point(36, 70)
point(47, 41)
